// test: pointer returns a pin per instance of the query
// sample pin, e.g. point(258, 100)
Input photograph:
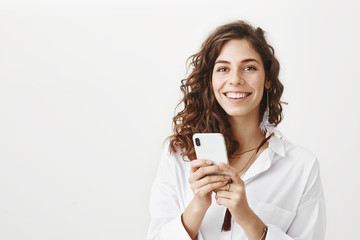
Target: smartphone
point(210, 146)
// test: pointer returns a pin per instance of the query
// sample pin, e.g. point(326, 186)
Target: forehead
point(237, 50)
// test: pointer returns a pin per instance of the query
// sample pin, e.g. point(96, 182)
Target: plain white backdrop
point(88, 90)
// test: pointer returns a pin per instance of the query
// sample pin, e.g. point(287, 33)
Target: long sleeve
point(165, 211)
point(283, 188)
point(310, 220)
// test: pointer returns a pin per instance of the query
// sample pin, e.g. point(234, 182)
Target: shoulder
point(306, 166)
point(172, 162)
point(299, 164)
point(172, 156)
point(292, 155)
point(301, 158)
point(298, 152)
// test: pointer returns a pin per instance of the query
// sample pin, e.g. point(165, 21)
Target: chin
point(236, 113)
point(239, 113)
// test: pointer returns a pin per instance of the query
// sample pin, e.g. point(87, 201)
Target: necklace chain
point(247, 164)
point(246, 167)
point(252, 149)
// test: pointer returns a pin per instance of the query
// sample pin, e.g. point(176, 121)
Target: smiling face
point(238, 79)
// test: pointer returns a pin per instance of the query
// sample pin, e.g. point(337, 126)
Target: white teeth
point(236, 95)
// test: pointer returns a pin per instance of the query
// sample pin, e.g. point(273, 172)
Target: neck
point(246, 131)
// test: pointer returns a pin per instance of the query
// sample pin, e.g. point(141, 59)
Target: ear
point(267, 84)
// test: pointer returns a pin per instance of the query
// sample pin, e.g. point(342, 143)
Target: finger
point(204, 171)
point(208, 188)
point(224, 194)
point(197, 163)
point(224, 202)
point(210, 179)
point(231, 171)
point(227, 188)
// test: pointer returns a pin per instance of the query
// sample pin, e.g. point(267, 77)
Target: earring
point(265, 126)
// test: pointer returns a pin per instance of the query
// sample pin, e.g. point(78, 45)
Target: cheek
point(216, 85)
point(218, 82)
point(258, 82)
point(257, 85)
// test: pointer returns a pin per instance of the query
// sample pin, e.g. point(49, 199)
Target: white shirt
point(283, 188)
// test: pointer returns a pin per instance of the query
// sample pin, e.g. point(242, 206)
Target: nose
point(236, 79)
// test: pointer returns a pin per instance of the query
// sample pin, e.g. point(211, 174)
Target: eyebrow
point(243, 61)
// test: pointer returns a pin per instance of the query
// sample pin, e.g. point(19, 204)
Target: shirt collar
point(266, 158)
point(277, 145)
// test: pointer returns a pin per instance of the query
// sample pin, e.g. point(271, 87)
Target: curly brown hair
point(201, 112)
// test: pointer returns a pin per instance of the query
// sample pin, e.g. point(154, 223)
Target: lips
point(237, 95)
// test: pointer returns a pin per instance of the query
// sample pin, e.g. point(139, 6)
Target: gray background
point(88, 90)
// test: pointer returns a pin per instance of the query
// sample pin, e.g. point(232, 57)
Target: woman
point(272, 189)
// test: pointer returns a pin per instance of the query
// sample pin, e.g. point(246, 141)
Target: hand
point(203, 182)
point(234, 198)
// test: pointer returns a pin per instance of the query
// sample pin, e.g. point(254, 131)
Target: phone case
point(210, 146)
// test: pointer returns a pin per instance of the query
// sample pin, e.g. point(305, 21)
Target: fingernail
point(208, 161)
point(227, 177)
